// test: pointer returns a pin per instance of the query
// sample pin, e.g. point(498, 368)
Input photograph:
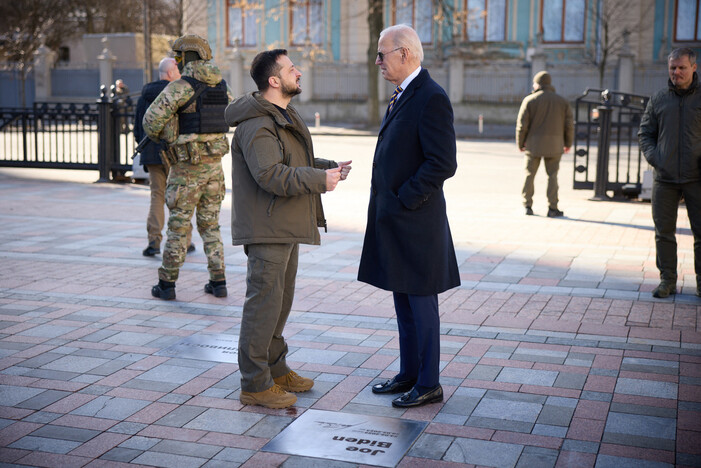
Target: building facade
point(484, 52)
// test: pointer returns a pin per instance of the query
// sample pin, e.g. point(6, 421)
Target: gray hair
point(164, 67)
point(676, 54)
point(405, 36)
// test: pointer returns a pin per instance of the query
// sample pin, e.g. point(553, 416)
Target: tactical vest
point(210, 105)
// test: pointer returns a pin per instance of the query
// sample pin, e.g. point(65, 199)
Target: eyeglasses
point(381, 55)
point(178, 58)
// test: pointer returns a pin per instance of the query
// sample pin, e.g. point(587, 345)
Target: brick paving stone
point(569, 380)
point(575, 460)
point(537, 456)
point(573, 445)
point(167, 460)
point(224, 421)
point(588, 409)
point(99, 445)
point(647, 388)
point(431, 446)
point(481, 452)
point(641, 454)
point(555, 416)
point(43, 444)
point(600, 383)
point(688, 442)
point(51, 460)
point(585, 429)
point(121, 455)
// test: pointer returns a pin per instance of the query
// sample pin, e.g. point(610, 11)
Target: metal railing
point(90, 136)
point(611, 119)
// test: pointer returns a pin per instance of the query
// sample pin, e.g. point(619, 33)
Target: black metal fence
point(86, 136)
point(606, 152)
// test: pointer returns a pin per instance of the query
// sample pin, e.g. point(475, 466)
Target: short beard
point(290, 91)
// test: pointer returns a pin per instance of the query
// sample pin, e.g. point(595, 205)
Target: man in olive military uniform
point(188, 115)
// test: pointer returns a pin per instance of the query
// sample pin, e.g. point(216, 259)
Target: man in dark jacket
point(151, 159)
point(544, 130)
point(277, 187)
point(408, 248)
point(670, 139)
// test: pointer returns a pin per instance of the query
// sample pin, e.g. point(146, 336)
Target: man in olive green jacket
point(544, 129)
point(277, 187)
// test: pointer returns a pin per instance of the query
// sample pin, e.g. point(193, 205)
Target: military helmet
point(193, 43)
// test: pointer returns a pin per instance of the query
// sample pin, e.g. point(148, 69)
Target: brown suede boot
point(664, 289)
point(274, 397)
point(293, 382)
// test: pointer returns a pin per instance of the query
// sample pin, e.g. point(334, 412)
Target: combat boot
point(216, 288)
point(293, 382)
point(664, 289)
point(274, 397)
point(164, 290)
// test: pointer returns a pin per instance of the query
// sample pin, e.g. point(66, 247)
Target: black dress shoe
point(412, 398)
point(393, 386)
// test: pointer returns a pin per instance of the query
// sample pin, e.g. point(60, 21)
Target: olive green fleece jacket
point(545, 124)
point(277, 182)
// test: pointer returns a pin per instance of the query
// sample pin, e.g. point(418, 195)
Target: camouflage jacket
point(161, 118)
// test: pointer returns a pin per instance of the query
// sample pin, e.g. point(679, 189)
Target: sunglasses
point(381, 55)
point(178, 58)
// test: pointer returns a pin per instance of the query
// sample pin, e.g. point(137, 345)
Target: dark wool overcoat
point(408, 247)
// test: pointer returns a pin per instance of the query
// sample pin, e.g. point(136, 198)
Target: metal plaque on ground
point(222, 348)
point(357, 438)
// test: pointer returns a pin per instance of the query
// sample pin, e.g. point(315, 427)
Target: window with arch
point(563, 20)
point(416, 13)
point(243, 20)
point(485, 20)
point(306, 21)
point(687, 21)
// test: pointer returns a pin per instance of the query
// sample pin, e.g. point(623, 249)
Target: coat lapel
point(405, 98)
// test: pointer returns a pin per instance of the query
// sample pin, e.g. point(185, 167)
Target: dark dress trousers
point(408, 248)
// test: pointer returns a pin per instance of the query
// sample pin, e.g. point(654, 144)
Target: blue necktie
point(394, 98)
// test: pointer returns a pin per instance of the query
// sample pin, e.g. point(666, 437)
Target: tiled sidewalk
point(554, 353)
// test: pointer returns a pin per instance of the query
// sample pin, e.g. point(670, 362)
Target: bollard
point(602, 158)
point(105, 139)
point(317, 120)
point(480, 124)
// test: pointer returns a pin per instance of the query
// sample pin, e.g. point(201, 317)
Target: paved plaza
point(554, 353)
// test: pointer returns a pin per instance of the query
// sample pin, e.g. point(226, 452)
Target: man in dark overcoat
point(408, 248)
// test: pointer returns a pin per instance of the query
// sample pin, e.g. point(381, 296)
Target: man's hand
point(566, 149)
point(332, 178)
point(345, 168)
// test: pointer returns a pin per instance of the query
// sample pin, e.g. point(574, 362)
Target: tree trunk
point(375, 23)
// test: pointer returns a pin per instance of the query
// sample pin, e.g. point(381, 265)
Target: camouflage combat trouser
point(194, 186)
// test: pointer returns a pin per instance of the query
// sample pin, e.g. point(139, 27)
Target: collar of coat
point(683, 92)
point(407, 94)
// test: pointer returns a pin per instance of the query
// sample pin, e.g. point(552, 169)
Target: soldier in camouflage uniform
point(189, 116)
